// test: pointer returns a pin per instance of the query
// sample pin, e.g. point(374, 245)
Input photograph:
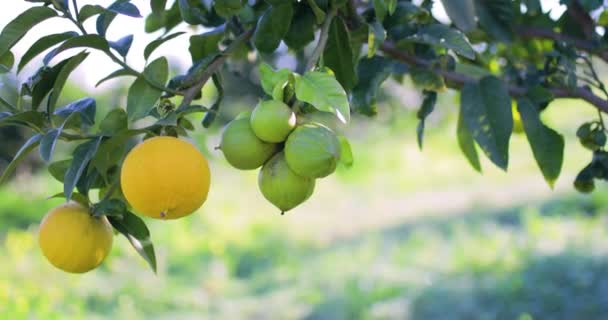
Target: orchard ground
point(403, 234)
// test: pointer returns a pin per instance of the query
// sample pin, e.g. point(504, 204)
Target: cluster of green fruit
point(292, 155)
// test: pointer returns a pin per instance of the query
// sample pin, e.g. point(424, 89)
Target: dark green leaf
point(42, 44)
point(82, 155)
point(318, 12)
point(27, 147)
point(62, 78)
point(428, 105)
point(45, 82)
point(158, 42)
point(158, 6)
point(85, 108)
point(272, 27)
point(80, 198)
point(496, 18)
point(136, 231)
point(48, 143)
point(486, 107)
point(338, 54)
point(88, 41)
point(58, 169)
point(462, 13)
point(380, 9)
point(228, 8)
point(123, 45)
point(142, 97)
point(467, 143)
point(18, 27)
point(446, 37)
point(7, 105)
point(116, 74)
point(30, 118)
point(426, 79)
point(206, 44)
point(371, 73)
point(88, 11)
point(114, 122)
point(375, 38)
point(323, 92)
point(111, 151)
point(126, 8)
point(103, 22)
point(191, 14)
point(6, 62)
point(302, 29)
point(547, 145)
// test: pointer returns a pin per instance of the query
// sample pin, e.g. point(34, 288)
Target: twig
point(457, 80)
point(213, 67)
point(324, 35)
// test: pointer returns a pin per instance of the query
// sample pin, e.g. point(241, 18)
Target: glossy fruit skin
point(283, 187)
point(165, 178)
point(272, 121)
point(312, 150)
point(73, 240)
point(242, 148)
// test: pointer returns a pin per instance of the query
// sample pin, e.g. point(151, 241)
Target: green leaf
point(190, 14)
point(48, 143)
point(426, 79)
point(467, 143)
point(271, 78)
point(27, 147)
point(122, 45)
point(323, 92)
point(496, 18)
point(302, 29)
point(372, 72)
point(547, 145)
point(158, 42)
point(158, 6)
point(85, 108)
point(136, 231)
point(272, 27)
point(446, 37)
point(88, 11)
point(6, 62)
point(62, 77)
point(78, 197)
point(375, 38)
point(42, 44)
point(603, 20)
point(428, 105)
point(228, 8)
point(88, 41)
point(31, 119)
point(7, 105)
point(380, 9)
point(462, 13)
point(111, 151)
point(206, 44)
point(44, 81)
point(116, 74)
point(58, 169)
point(318, 12)
point(338, 54)
point(142, 97)
point(346, 152)
point(486, 107)
point(18, 27)
point(114, 122)
point(82, 155)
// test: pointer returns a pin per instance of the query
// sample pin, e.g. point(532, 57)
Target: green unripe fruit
point(283, 187)
point(243, 115)
point(272, 121)
point(327, 119)
point(242, 148)
point(312, 150)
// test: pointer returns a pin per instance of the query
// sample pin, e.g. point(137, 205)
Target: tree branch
point(324, 35)
point(213, 67)
point(457, 80)
point(528, 32)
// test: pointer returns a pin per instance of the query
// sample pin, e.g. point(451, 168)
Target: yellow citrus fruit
point(73, 240)
point(165, 178)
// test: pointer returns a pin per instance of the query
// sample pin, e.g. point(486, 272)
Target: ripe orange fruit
point(73, 240)
point(165, 178)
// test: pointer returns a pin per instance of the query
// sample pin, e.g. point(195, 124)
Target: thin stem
point(213, 67)
point(110, 190)
point(316, 54)
point(140, 74)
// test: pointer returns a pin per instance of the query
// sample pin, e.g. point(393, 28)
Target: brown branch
point(457, 80)
point(528, 32)
point(213, 67)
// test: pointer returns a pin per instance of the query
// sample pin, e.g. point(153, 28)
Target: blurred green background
point(403, 234)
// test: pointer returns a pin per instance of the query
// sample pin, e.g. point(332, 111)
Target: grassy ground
point(402, 235)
